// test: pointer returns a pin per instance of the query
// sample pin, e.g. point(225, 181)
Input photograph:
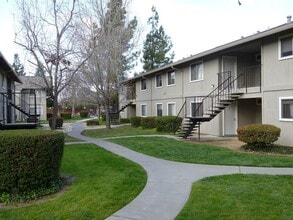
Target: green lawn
point(240, 197)
point(181, 151)
point(71, 139)
point(104, 184)
point(125, 130)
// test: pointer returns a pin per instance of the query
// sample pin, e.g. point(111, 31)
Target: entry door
point(229, 65)
point(229, 68)
point(230, 119)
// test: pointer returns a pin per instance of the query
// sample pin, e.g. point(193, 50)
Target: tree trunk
point(108, 119)
point(55, 113)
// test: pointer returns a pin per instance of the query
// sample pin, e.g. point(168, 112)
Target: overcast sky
point(193, 25)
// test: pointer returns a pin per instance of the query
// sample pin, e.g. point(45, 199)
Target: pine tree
point(157, 46)
point(17, 66)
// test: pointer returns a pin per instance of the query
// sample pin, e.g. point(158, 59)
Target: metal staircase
point(25, 107)
point(114, 116)
point(205, 108)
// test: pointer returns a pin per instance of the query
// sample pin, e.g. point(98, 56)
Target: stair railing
point(221, 93)
point(175, 124)
point(2, 104)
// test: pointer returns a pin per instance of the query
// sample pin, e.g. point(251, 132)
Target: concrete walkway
point(168, 184)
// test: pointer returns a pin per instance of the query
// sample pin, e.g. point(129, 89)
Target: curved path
point(168, 184)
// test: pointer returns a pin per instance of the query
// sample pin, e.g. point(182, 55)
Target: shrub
point(49, 115)
point(135, 121)
point(258, 135)
point(30, 163)
point(92, 122)
point(65, 115)
point(148, 122)
point(124, 120)
point(84, 114)
point(168, 123)
point(103, 117)
point(59, 122)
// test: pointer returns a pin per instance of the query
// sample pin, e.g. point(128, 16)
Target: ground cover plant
point(240, 197)
point(125, 130)
point(103, 183)
point(181, 151)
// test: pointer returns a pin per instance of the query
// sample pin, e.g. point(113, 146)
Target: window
point(286, 108)
point(196, 71)
point(196, 109)
point(159, 110)
point(171, 78)
point(286, 49)
point(143, 110)
point(1, 81)
point(143, 84)
point(159, 81)
point(171, 109)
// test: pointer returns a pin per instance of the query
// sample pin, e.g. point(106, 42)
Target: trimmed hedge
point(124, 120)
point(65, 115)
point(84, 114)
point(30, 163)
point(258, 135)
point(92, 122)
point(135, 121)
point(148, 122)
point(168, 123)
point(59, 122)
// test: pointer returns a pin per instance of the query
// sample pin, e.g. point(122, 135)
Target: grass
point(240, 197)
point(104, 184)
point(175, 150)
point(277, 149)
point(71, 139)
point(125, 130)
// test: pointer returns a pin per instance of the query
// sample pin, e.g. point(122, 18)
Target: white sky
point(193, 25)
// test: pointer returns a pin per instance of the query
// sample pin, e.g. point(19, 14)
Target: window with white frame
point(143, 84)
point(159, 82)
point(196, 71)
point(171, 109)
point(143, 110)
point(196, 109)
point(286, 47)
point(171, 78)
point(1, 80)
point(286, 108)
point(159, 109)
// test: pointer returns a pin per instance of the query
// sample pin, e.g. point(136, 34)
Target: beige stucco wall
point(277, 82)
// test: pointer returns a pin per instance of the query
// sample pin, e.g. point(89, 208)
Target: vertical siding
point(277, 82)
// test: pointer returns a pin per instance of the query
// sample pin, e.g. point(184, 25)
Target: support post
point(198, 132)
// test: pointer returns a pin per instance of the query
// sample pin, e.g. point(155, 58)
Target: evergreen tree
point(17, 66)
point(157, 46)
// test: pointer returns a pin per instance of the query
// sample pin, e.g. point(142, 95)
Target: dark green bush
point(49, 115)
point(30, 163)
point(84, 114)
point(168, 123)
point(148, 122)
point(103, 117)
point(258, 135)
point(124, 120)
point(59, 122)
point(92, 122)
point(65, 115)
point(135, 121)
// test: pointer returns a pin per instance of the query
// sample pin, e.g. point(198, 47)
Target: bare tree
point(112, 50)
point(49, 30)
